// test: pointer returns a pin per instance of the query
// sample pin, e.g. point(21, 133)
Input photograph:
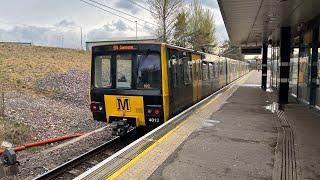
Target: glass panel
point(102, 76)
point(304, 75)
point(124, 69)
point(274, 69)
point(304, 68)
point(318, 81)
point(187, 70)
point(204, 71)
point(211, 72)
point(269, 67)
point(221, 67)
point(149, 74)
point(173, 61)
point(294, 71)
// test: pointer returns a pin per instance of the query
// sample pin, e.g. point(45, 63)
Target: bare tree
point(165, 13)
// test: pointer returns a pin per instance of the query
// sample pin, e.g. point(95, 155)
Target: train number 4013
point(154, 120)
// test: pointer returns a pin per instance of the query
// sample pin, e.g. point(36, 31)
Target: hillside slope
point(46, 89)
point(22, 65)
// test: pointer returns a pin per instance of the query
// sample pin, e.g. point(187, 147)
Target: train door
point(194, 79)
point(196, 76)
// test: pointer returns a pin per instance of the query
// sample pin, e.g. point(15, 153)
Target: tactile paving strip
point(286, 161)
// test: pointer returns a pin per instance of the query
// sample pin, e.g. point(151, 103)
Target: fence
point(2, 107)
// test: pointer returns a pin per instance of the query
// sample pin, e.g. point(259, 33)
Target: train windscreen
point(149, 75)
point(102, 72)
point(124, 70)
point(127, 71)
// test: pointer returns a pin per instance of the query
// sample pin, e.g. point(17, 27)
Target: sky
point(59, 22)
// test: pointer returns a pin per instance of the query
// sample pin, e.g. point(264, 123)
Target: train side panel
point(180, 80)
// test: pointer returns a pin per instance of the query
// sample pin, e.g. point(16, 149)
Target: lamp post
point(136, 30)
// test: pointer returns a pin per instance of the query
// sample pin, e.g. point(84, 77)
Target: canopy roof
point(251, 22)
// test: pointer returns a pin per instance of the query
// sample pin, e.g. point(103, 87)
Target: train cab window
point(149, 71)
point(211, 72)
point(204, 71)
point(102, 73)
point(124, 70)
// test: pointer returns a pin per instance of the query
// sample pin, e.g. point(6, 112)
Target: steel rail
point(129, 141)
point(73, 163)
point(121, 157)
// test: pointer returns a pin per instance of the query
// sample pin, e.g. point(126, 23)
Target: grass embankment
point(22, 65)
point(20, 68)
point(13, 132)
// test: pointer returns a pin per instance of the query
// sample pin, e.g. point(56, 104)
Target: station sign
point(122, 47)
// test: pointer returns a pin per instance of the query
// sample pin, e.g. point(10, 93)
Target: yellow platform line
point(143, 153)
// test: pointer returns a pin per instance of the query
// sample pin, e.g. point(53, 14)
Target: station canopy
point(251, 22)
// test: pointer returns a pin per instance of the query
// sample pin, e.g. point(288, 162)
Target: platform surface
point(233, 136)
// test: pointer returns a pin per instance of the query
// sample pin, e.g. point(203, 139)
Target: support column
point(285, 48)
point(314, 66)
point(264, 66)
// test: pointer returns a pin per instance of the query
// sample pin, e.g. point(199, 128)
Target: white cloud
point(42, 36)
point(57, 22)
point(65, 23)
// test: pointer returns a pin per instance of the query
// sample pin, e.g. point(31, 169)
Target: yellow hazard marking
point(143, 153)
point(125, 106)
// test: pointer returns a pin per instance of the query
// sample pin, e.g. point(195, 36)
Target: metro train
point(146, 84)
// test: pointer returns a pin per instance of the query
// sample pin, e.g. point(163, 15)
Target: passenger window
point(173, 54)
point(174, 72)
point(204, 71)
point(221, 68)
point(186, 70)
point(211, 71)
point(217, 70)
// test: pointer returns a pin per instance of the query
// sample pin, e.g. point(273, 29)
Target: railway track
point(82, 163)
point(88, 164)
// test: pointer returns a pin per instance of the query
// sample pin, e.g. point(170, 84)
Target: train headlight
point(149, 111)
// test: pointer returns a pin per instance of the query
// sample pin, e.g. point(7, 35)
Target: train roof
point(166, 44)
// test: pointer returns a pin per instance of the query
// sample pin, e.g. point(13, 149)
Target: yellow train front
point(143, 85)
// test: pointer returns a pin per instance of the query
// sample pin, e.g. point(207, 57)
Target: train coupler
point(120, 127)
point(8, 161)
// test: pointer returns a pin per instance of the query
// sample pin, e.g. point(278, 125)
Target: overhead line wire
point(107, 11)
point(122, 12)
point(137, 4)
point(115, 14)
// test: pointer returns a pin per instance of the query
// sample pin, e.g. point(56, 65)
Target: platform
point(238, 134)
